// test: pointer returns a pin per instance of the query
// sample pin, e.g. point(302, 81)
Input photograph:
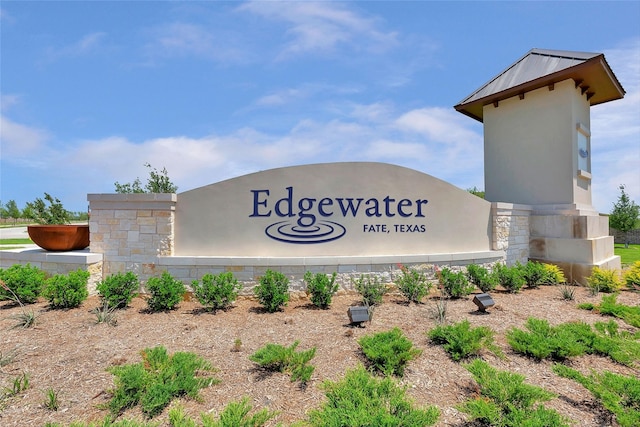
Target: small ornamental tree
point(624, 215)
point(158, 182)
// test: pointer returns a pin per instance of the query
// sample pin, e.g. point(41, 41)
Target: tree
point(476, 192)
point(158, 182)
point(12, 210)
point(624, 215)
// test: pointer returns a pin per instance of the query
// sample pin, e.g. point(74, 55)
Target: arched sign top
point(331, 209)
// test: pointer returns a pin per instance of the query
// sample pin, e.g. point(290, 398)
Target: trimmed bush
point(510, 278)
point(481, 278)
point(631, 276)
point(388, 352)
point(360, 399)
point(26, 281)
point(371, 289)
point(454, 285)
point(602, 280)
point(272, 291)
point(117, 290)
point(321, 287)
point(216, 291)
point(67, 291)
point(554, 275)
point(166, 292)
point(535, 274)
point(413, 284)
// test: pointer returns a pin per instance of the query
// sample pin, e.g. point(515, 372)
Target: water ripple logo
point(292, 232)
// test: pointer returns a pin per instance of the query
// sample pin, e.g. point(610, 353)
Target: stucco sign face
point(334, 209)
point(314, 220)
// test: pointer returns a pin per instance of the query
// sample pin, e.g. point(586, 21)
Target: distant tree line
point(11, 213)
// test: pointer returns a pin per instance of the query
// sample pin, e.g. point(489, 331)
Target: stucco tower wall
point(530, 149)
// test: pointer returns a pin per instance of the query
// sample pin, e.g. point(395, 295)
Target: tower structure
point(537, 152)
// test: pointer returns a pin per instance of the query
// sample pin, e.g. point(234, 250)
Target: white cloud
point(181, 39)
point(87, 44)
point(320, 27)
point(19, 140)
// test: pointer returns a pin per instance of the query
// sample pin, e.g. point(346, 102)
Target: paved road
point(14, 233)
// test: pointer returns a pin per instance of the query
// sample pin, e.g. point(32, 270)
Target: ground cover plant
point(505, 400)
point(118, 289)
point(235, 414)
point(388, 352)
point(272, 290)
point(360, 399)
point(571, 339)
point(216, 291)
point(165, 292)
point(413, 284)
point(321, 288)
point(79, 373)
point(620, 394)
point(158, 379)
point(276, 357)
point(461, 340)
point(24, 282)
point(67, 290)
point(610, 307)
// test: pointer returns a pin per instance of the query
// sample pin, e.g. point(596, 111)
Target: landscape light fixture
point(358, 314)
point(483, 301)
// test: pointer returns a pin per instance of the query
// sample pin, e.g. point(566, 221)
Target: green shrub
point(460, 340)
point(602, 280)
point(360, 399)
point(505, 400)
point(117, 290)
point(321, 287)
point(26, 281)
point(413, 284)
point(216, 291)
point(388, 352)
point(371, 289)
point(235, 414)
point(631, 276)
point(510, 278)
point(166, 292)
point(543, 341)
point(630, 314)
point(574, 339)
point(481, 277)
point(554, 275)
point(67, 291)
point(158, 379)
point(535, 274)
point(272, 290)
point(275, 357)
point(619, 394)
point(454, 285)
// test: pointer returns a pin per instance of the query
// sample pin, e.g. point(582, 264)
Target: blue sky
point(91, 91)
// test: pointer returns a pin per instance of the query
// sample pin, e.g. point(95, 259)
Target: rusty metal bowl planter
point(60, 237)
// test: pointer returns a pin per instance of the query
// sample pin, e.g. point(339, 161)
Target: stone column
point(132, 230)
point(510, 224)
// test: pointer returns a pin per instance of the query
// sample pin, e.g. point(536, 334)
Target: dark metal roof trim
point(539, 68)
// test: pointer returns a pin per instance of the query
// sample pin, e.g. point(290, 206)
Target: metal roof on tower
point(539, 68)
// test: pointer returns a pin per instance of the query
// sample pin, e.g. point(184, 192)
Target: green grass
point(628, 255)
point(15, 242)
